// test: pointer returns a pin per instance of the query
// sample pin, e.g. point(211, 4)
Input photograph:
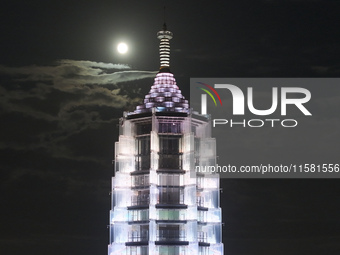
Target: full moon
point(122, 48)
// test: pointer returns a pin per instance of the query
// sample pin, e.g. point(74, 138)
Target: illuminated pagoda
point(159, 204)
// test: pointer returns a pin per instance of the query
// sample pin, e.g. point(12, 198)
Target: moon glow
point(122, 48)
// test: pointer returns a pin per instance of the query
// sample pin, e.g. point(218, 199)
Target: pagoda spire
point(164, 49)
point(164, 95)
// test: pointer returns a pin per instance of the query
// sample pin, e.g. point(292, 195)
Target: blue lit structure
point(159, 204)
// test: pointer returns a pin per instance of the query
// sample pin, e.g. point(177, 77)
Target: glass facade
point(159, 204)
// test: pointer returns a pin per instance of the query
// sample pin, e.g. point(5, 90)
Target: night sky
point(63, 88)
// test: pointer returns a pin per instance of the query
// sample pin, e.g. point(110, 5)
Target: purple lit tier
point(164, 96)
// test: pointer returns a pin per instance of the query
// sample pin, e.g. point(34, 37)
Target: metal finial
point(164, 13)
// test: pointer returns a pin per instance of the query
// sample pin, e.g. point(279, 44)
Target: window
point(142, 153)
point(170, 144)
point(142, 198)
point(170, 162)
point(167, 250)
point(201, 216)
point(171, 195)
point(200, 200)
point(138, 215)
point(170, 152)
point(167, 232)
point(202, 236)
point(199, 182)
point(171, 214)
point(143, 145)
point(139, 233)
point(203, 250)
point(140, 180)
point(142, 162)
point(169, 179)
point(143, 128)
point(137, 250)
point(170, 127)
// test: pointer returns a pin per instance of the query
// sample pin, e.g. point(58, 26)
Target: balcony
point(170, 235)
point(141, 201)
point(138, 236)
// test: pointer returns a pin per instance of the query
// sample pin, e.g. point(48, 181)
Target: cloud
point(83, 78)
point(93, 64)
point(62, 65)
point(72, 75)
point(59, 102)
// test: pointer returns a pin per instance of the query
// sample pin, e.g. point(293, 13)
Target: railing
point(170, 161)
point(140, 181)
point(140, 200)
point(202, 237)
point(171, 235)
point(138, 236)
point(200, 201)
